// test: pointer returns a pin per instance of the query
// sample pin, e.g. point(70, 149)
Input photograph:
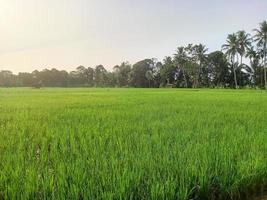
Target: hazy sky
point(37, 34)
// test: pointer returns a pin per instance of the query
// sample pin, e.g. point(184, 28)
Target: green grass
point(132, 143)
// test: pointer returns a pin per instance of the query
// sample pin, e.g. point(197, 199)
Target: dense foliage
point(190, 66)
point(132, 143)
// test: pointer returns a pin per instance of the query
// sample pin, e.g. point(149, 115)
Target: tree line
point(189, 67)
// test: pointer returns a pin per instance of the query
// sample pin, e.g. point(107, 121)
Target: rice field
point(132, 143)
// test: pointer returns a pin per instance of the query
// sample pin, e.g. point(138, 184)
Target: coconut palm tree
point(256, 70)
point(200, 56)
point(244, 41)
point(231, 49)
point(261, 39)
point(180, 59)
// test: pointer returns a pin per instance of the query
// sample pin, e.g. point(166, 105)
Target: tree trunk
point(199, 72)
point(236, 86)
point(233, 63)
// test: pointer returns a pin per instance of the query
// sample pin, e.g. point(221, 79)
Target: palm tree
point(231, 47)
point(180, 59)
point(244, 41)
point(254, 58)
point(261, 39)
point(200, 56)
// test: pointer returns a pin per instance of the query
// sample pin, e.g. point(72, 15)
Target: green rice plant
point(132, 143)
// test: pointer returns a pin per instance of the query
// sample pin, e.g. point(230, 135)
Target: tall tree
point(167, 71)
point(231, 47)
point(138, 73)
point(218, 69)
point(200, 56)
point(244, 42)
point(261, 39)
point(149, 76)
point(100, 76)
point(256, 69)
point(123, 74)
point(90, 75)
point(81, 73)
point(7, 78)
point(180, 60)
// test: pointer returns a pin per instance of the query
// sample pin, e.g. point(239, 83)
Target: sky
point(63, 34)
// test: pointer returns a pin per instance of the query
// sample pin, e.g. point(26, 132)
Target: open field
point(132, 143)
